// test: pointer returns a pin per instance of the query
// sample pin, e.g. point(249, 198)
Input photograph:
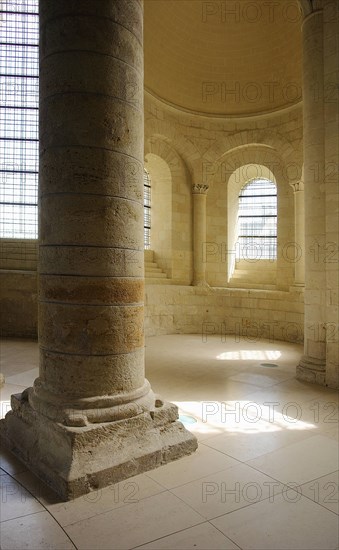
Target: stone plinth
point(77, 460)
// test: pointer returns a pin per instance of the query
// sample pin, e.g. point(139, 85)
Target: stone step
point(149, 255)
point(255, 275)
point(247, 265)
point(154, 274)
point(151, 265)
point(157, 281)
point(257, 286)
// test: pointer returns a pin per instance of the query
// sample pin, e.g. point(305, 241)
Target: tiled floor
point(265, 475)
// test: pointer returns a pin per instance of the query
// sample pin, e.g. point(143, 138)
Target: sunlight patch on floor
point(245, 354)
point(213, 417)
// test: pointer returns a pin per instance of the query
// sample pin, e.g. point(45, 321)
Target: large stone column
point(199, 234)
point(312, 366)
point(91, 418)
point(331, 112)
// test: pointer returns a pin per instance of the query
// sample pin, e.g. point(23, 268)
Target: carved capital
point(310, 6)
point(297, 186)
point(200, 189)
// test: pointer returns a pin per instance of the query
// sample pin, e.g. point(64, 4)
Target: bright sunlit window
point(257, 221)
point(147, 210)
point(19, 97)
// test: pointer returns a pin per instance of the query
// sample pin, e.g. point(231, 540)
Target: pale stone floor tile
point(147, 520)
point(259, 441)
point(297, 412)
point(330, 430)
point(191, 373)
point(200, 537)
point(207, 418)
point(294, 391)
point(33, 532)
point(323, 491)
point(204, 388)
point(282, 523)
point(203, 431)
point(264, 378)
point(123, 494)
point(300, 462)
point(229, 490)
point(15, 500)
point(201, 463)
point(207, 346)
point(244, 418)
point(322, 410)
point(204, 376)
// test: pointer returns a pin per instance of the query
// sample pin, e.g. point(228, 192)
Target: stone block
point(74, 461)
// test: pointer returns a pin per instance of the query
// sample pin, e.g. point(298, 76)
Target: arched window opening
point(257, 221)
point(147, 210)
point(19, 97)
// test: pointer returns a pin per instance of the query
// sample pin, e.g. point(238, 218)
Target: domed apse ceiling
point(227, 57)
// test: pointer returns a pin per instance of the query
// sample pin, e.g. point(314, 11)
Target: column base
point(74, 461)
point(198, 282)
point(297, 287)
point(311, 370)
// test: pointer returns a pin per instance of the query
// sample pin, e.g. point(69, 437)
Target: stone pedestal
point(77, 460)
point(91, 417)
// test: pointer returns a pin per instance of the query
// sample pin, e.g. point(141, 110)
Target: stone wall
point(18, 288)
point(170, 309)
point(217, 151)
point(19, 304)
point(182, 149)
point(248, 314)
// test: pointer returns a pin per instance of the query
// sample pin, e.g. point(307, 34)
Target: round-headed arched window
point(147, 210)
point(19, 99)
point(257, 221)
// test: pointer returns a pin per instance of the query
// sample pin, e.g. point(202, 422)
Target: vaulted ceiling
point(223, 57)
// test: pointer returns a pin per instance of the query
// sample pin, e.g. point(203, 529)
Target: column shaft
point(331, 112)
point(199, 234)
point(299, 220)
point(313, 364)
point(91, 211)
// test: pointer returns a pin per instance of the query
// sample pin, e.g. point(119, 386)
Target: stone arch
point(158, 129)
point(309, 6)
point(255, 155)
point(270, 142)
point(237, 180)
point(280, 163)
point(172, 209)
point(160, 145)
